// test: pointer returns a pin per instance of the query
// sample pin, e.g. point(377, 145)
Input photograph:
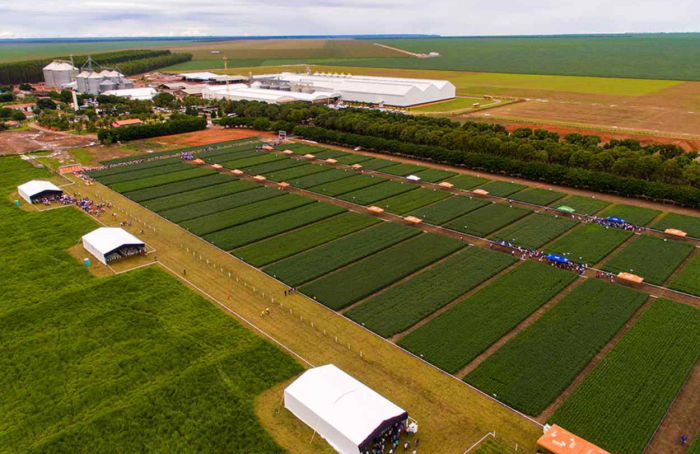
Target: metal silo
point(48, 75)
point(63, 73)
point(81, 79)
point(94, 81)
point(107, 85)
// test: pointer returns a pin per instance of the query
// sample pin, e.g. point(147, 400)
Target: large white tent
point(109, 240)
point(37, 188)
point(345, 412)
point(239, 92)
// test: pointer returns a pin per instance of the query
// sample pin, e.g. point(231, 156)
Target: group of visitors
point(605, 222)
point(605, 275)
point(186, 156)
point(541, 256)
point(390, 441)
point(63, 199)
point(86, 204)
point(125, 252)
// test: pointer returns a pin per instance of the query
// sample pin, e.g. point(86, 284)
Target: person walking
point(684, 440)
point(184, 272)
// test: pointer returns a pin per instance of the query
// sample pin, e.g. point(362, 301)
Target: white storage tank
point(81, 79)
point(107, 85)
point(94, 80)
point(59, 73)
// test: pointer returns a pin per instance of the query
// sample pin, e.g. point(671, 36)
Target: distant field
point(451, 105)
point(14, 52)
point(652, 56)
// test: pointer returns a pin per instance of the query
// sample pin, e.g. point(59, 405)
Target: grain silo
point(59, 73)
point(94, 80)
point(107, 85)
point(81, 79)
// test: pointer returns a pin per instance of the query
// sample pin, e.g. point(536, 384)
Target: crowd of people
point(86, 204)
point(390, 441)
point(63, 199)
point(618, 225)
point(125, 252)
point(541, 256)
point(186, 156)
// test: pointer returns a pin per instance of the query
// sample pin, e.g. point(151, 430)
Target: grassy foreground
point(130, 363)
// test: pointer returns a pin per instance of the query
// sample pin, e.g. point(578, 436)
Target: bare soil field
point(19, 142)
point(211, 135)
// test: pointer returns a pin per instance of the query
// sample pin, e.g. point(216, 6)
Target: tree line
point(176, 124)
point(129, 61)
point(626, 167)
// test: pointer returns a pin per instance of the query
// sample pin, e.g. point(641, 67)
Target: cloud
point(99, 18)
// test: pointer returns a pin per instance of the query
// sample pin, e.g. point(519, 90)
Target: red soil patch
point(212, 135)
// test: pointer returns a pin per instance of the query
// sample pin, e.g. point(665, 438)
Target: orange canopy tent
point(356, 166)
point(676, 232)
point(413, 219)
point(217, 166)
point(288, 152)
point(561, 441)
point(198, 161)
point(284, 184)
point(374, 209)
point(445, 184)
point(331, 161)
point(310, 156)
point(629, 277)
point(237, 172)
point(481, 192)
point(259, 178)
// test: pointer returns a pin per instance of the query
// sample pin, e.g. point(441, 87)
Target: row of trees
point(175, 125)
point(129, 61)
point(532, 170)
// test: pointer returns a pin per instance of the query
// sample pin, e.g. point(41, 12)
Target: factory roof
point(242, 91)
point(142, 94)
point(200, 76)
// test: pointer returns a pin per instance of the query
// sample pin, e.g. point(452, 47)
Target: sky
point(101, 18)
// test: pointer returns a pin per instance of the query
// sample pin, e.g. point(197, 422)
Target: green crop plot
point(688, 278)
point(535, 231)
point(411, 200)
point(110, 180)
point(590, 243)
point(159, 180)
point(434, 175)
point(178, 187)
point(354, 159)
point(448, 209)
point(98, 174)
point(533, 368)
point(695, 448)
point(221, 156)
point(199, 195)
point(261, 229)
point(499, 188)
point(402, 306)
point(354, 183)
point(297, 172)
point(377, 164)
point(403, 170)
point(373, 194)
point(321, 178)
point(582, 205)
point(650, 257)
point(457, 336)
point(688, 224)
point(361, 279)
point(264, 169)
point(330, 154)
point(211, 206)
point(236, 216)
point(631, 214)
point(487, 220)
point(309, 265)
point(158, 368)
point(467, 181)
point(623, 399)
point(262, 158)
point(283, 246)
point(538, 196)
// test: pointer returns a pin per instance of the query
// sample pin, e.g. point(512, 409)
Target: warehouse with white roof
point(35, 189)
point(342, 410)
point(108, 244)
point(388, 91)
point(241, 92)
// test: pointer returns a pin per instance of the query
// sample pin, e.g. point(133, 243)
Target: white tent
point(37, 188)
point(346, 413)
point(105, 240)
point(139, 94)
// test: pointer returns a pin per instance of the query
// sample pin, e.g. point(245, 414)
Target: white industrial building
point(342, 410)
point(35, 189)
point(112, 243)
point(241, 92)
point(388, 91)
point(59, 73)
point(138, 94)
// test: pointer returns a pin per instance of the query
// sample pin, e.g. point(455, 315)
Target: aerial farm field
point(31, 51)
point(474, 311)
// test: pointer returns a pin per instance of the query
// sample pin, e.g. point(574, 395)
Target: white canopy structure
point(200, 76)
point(109, 243)
point(37, 188)
point(240, 92)
point(345, 412)
point(139, 94)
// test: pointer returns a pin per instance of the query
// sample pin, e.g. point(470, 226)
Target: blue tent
point(615, 220)
point(558, 258)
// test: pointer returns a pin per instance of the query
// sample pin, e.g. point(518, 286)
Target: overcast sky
point(88, 18)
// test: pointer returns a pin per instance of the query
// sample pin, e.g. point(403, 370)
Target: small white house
point(35, 189)
point(342, 410)
point(112, 243)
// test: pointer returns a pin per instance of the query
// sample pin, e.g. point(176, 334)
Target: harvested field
point(28, 140)
point(212, 135)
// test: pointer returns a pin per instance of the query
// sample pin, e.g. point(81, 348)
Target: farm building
point(389, 91)
point(240, 92)
point(59, 73)
point(35, 189)
point(139, 94)
point(342, 410)
point(112, 243)
point(96, 83)
point(128, 122)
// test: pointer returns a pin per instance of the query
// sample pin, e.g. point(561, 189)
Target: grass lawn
point(130, 363)
point(451, 105)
